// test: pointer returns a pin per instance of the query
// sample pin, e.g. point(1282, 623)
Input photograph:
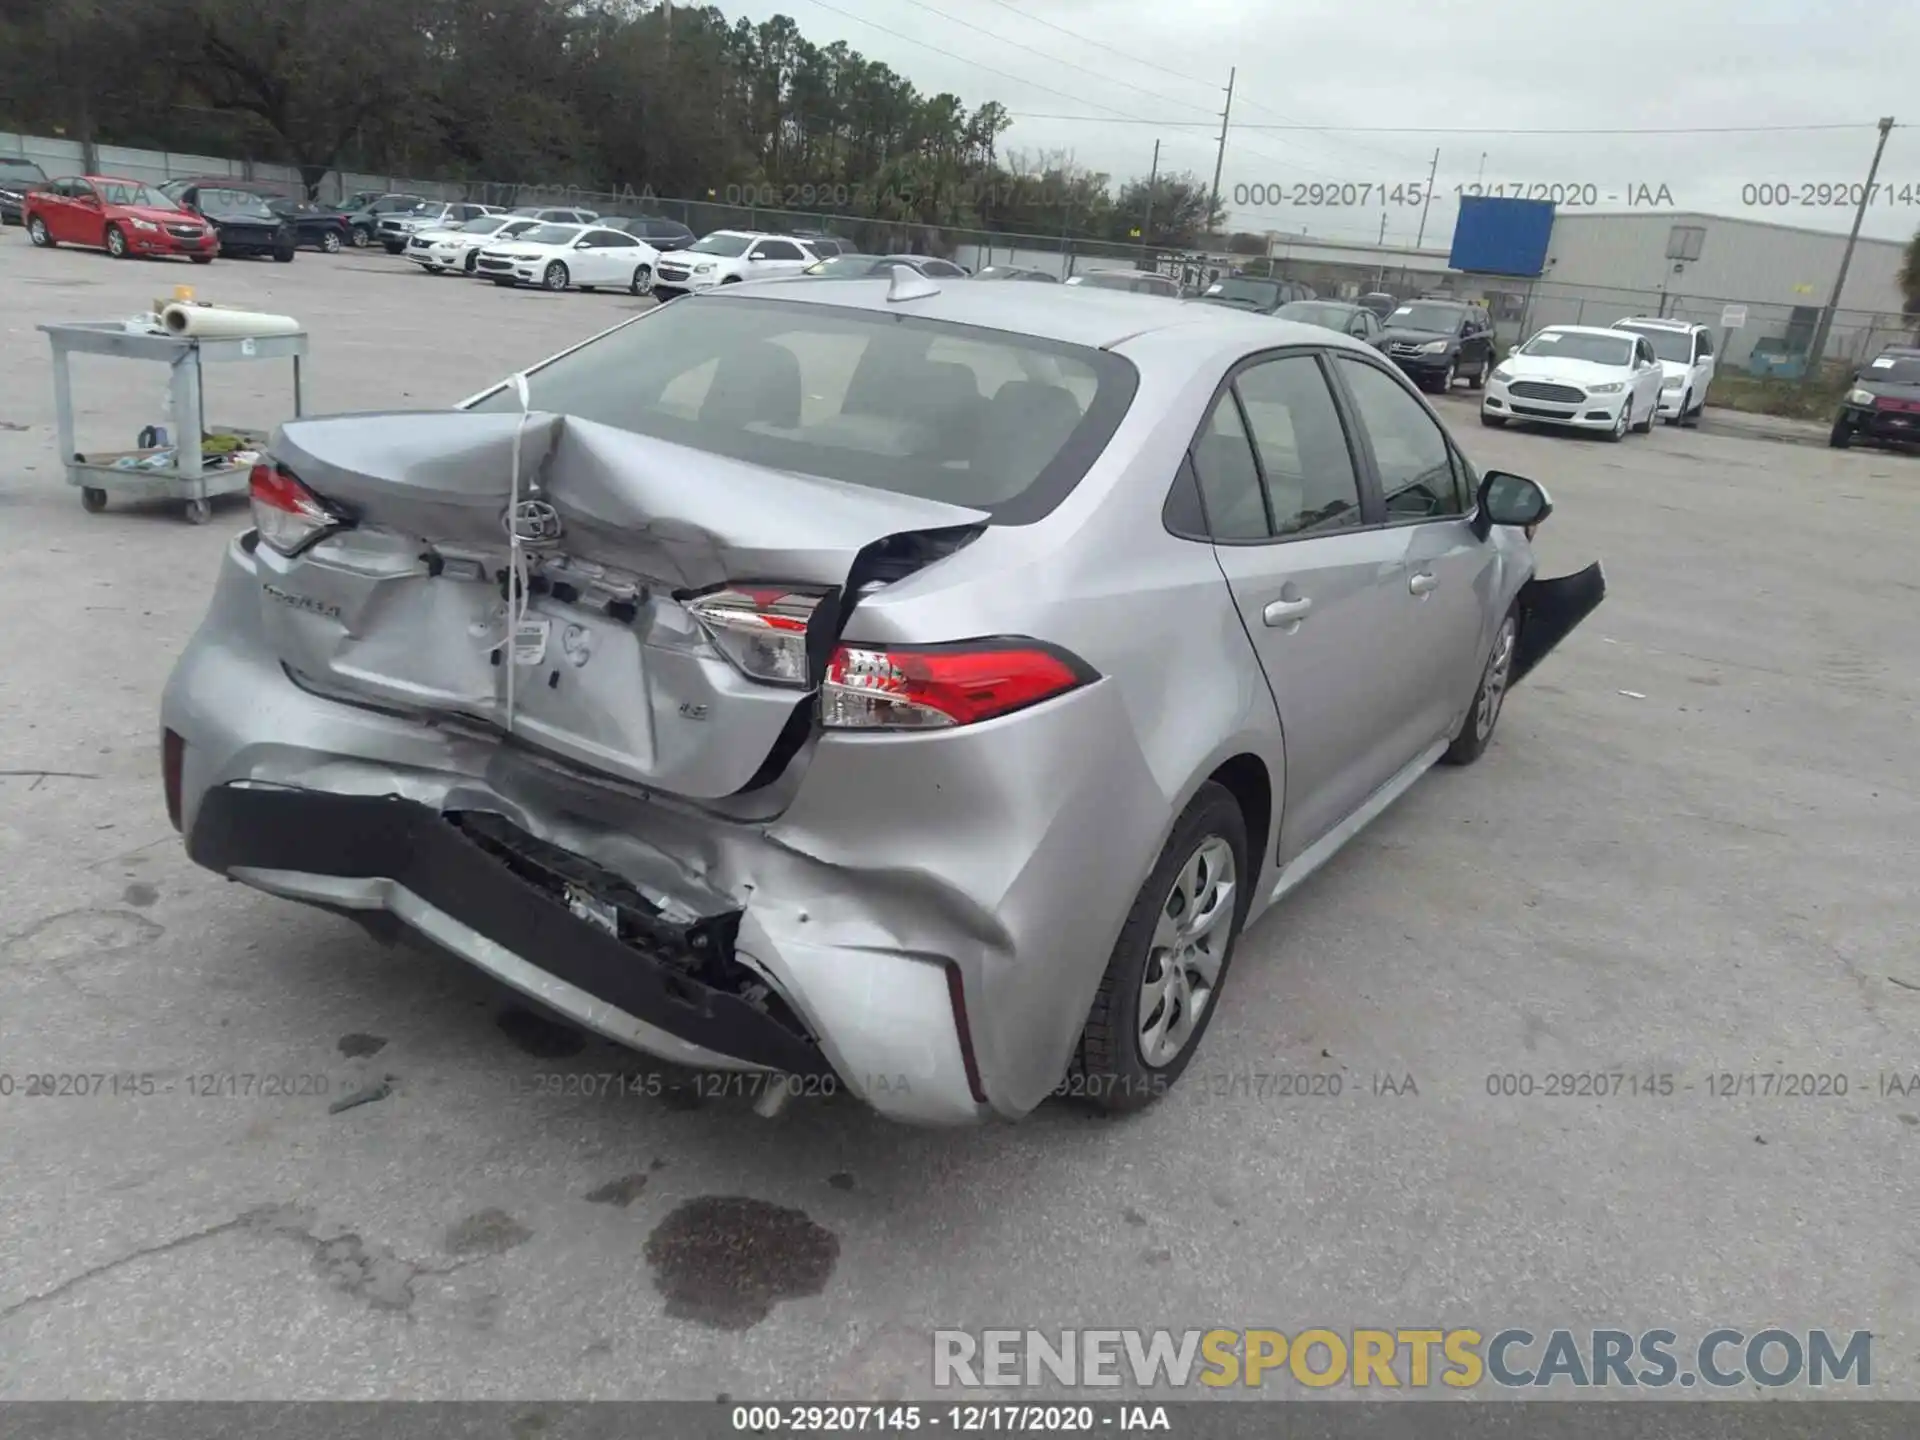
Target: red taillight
point(922, 687)
point(288, 515)
point(173, 753)
point(762, 630)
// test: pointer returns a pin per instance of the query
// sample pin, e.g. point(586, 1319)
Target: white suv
point(1685, 352)
point(727, 256)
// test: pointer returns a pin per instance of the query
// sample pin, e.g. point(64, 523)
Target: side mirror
point(1510, 500)
point(583, 244)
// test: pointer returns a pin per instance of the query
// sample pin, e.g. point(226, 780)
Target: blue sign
point(1497, 236)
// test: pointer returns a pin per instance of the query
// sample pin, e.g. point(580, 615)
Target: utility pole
point(667, 15)
point(1220, 155)
point(1153, 177)
point(1432, 171)
point(1818, 348)
point(1383, 229)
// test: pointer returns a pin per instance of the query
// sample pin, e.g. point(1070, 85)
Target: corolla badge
point(533, 522)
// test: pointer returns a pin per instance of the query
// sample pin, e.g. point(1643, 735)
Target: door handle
point(1287, 612)
point(1423, 583)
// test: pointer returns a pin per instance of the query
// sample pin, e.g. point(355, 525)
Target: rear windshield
point(1898, 369)
point(1000, 422)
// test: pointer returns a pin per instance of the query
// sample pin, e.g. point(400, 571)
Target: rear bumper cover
point(271, 835)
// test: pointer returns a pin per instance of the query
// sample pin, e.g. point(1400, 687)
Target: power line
point(1457, 130)
point(1075, 35)
point(1051, 59)
point(1119, 115)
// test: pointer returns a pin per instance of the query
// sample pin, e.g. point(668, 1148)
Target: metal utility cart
point(188, 477)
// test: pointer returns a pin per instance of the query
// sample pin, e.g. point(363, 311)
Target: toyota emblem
point(533, 522)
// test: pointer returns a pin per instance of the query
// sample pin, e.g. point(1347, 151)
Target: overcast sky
point(1477, 65)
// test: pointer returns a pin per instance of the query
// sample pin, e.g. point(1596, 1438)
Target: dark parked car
point(855, 266)
point(1379, 302)
point(1883, 405)
point(657, 232)
point(1438, 341)
point(1015, 272)
point(17, 177)
point(242, 220)
point(1355, 320)
point(363, 215)
point(314, 226)
point(1256, 293)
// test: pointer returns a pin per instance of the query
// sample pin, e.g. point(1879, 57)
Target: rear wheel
point(1478, 380)
point(1471, 743)
point(38, 233)
point(285, 257)
point(116, 242)
point(1167, 970)
point(555, 276)
point(330, 242)
point(1841, 436)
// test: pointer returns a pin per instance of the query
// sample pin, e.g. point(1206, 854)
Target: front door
point(777, 257)
point(1442, 616)
point(1280, 487)
point(87, 216)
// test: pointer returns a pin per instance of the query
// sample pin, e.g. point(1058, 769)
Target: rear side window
point(1229, 476)
point(987, 419)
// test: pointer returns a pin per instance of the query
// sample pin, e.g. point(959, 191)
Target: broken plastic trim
point(1549, 611)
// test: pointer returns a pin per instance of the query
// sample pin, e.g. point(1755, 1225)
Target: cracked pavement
point(1690, 851)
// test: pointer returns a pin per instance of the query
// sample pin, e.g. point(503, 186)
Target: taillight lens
point(288, 515)
point(930, 687)
point(761, 630)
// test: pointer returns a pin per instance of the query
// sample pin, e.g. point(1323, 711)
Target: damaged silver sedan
point(914, 687)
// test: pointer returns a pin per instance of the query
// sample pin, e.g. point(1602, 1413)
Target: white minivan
point(1685, 352)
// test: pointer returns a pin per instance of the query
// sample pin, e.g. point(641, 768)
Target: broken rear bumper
point(479, 886)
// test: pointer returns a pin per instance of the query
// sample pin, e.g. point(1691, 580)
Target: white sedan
point(458, 248)
point(559, 257)
point(1579, 376)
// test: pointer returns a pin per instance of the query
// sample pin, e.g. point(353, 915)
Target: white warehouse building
point(1709, 268)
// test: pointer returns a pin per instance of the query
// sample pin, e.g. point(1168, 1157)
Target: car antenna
point(909, 284)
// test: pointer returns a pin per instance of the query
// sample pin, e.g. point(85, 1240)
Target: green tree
point(1910, 276)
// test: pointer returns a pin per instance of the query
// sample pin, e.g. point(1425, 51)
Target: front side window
point(1417, 475)
point(779, 250)
point(1311, 484)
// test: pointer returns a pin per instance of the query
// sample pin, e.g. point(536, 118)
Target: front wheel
point(473, 262)
point(642, 279)
point(1447, 378)
point(1841, 436)
point(1645, 427)
point(330, 242)
point(284, 257)
point(201, 259)
point(38, 233)
point(1471, 743)
point(555, 277)
point(1619, 430)
point(362, 237)
point(1496, 421)
point(1164, 978)
point(1478, 380)
point(116, 242)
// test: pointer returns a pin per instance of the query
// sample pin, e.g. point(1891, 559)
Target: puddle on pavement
point(725, 1261)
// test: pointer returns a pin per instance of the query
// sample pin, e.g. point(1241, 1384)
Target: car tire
point(199, 512)
point(201, 259)
point(1478, 380)
point(1488, 696)
point(362, 237)
point(555, 276)
point(38, 233)
point(1206, 852)
point(731, 280)
point(330, 242)
point(434, 269)
point(1684, 416)
point(502, 280)
point(642, 280)
point(116, 242)
point(92, 499)
point(472, 263)
point(1619, 430)
point(391, 248)
point(1645, 427)
point(285, 257)
point(1496, 421)
point(1841, 436)
point(1445, 383)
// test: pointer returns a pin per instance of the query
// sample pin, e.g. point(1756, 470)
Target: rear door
point(1441, 572)
point(1279, 485)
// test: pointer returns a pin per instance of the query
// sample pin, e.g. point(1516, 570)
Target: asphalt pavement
point(1689, 853)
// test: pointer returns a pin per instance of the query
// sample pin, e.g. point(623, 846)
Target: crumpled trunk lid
point(407, 608)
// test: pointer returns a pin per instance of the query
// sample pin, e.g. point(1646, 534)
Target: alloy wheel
point(1187, 952)
point(1493, 686)
point(556, 276)
point(37, 231)
point(330, 242)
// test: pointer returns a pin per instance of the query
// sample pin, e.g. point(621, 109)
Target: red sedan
point(122, 217)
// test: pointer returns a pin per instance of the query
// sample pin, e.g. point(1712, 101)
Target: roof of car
point(1102, 319)
point(1657, 322)
point(1606, 330)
